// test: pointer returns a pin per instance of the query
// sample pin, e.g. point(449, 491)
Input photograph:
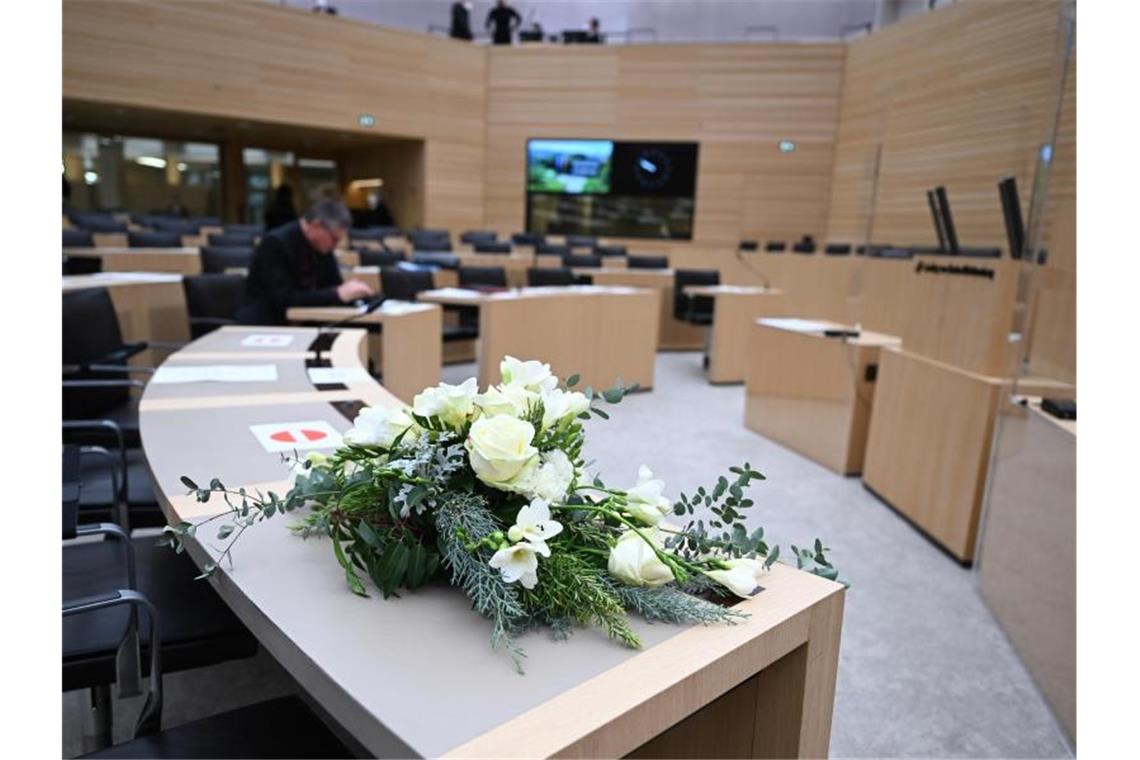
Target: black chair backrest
point(82, 265)
point(495, 277)
point(429, 232)
point(775, 246)
point(685, 277)
point(73, 238)
point(804, 247)
point(528, 238)
point(214, 295)
point(547, 276)
point(478, 236)
point(232, 240)
point(610, 250)
point(371, 257)
point(179, 226)
point(245, 229)
point(90, 333)
point(206, 221)
point(837, 249)
point(217, 259)
point(581, 241)
point(154, 239)
point(372, 233)
point(648, 262)
point(97, 223)
point(430, 243)
point(552, 248)
point(581, 260)
point(404, 284)
point(491, 246)
point(442, 260)
point(747, 245)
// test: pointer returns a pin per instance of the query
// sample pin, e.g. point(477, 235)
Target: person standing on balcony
point(505, 20)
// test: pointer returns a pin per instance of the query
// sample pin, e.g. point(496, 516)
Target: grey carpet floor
point(924, 669)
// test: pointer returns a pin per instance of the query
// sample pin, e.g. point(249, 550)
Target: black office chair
point(255, 230)
point(775, 246)
point(73, 238)
point(177, 226)
point(97, 381)
point(491, 246)
point(154, 239)
point(610, 250)
point(117, 487)
point(837, 249)
point(371, 234)
point(232, 240)
point(217, 259)
point(482, 277)
point(582, 260)
point(439, 260)
point(430, 240)
point(552, 249)
point(528, 238)
point(581, 241)
point(212, 300)
point(478, 236)
point(98, 223)
point(548, 276)
point(697, 310)
point(373, 257)
point(648, 262)
point(404, 284)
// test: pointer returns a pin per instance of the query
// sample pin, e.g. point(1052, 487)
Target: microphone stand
point(764, 282)
point(370, 307)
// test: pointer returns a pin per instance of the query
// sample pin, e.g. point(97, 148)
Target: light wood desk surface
point(175, 260)
point(388, 670)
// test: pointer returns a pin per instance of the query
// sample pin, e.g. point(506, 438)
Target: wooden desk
point(672, 333)
point(600, 333)
point(928, 449)
point(811, 392)
point(1027, 559)
point(407, 348)
point(415, 676)
point(174, 260)
point(735, 309)
point(150, 306)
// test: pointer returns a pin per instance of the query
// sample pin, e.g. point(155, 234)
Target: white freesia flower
point(451, 403)
point(558, 404)
point(380, 426)
point(533, 524)
point(519, 562)
point(532, 375)
point(646, 504)
point(506, 399)
point(551, 479)
point(743, 576)
point(500, 451)
point(634, 562)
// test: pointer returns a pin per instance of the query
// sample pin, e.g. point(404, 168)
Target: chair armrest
point(118, 482)
point(150, 719)
point(121, 442)
point(166, 344)
point(115, 531)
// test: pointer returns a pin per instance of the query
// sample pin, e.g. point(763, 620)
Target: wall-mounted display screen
point(611, 188)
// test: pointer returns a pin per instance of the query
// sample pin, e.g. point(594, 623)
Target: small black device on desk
point(1061, 408)
point(840, 333)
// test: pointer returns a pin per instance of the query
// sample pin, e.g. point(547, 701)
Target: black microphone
point(370, 306)
point(764, 280)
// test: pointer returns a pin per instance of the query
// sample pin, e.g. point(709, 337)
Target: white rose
point(743, 576)
point(532, 375)
point(379, 426)
point(451, 403)
point(646, 503)
point(558, 404)
point(500, 451)
point(552, 478)
point(635, 563)
point(506, 399)
point(520, 562)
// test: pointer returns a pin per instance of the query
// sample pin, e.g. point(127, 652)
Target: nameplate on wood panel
point(959, 269)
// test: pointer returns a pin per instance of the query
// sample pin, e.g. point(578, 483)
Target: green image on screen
point(573, 167)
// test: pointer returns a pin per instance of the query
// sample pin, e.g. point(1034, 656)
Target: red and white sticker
point(296, 436)
point(267, 340)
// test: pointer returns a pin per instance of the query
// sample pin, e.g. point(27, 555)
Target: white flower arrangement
point(488, 491)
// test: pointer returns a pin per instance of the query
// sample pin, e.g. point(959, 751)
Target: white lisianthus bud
point(519, 562)
point(742, 576)
point(533, 524)
point(634, 562)
point(551, 479)
point(500, 450)
point(645, 502)
point(532, 375)
point(380, 426)
point(558, 405)
point(451, 403)
point(514, 400)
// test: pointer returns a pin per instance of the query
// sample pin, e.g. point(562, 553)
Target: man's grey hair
point(330, 213)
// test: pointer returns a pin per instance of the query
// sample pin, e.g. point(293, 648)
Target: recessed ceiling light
point(787, 146)
point(366, 120)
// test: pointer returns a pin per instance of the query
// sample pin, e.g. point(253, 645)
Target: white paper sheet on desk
point(139, 277)
point(456, 292)
point(795, 324)
point(402, 307)
point(217, 373)
point(331, 375)
point(296, 436)
point(267, 340)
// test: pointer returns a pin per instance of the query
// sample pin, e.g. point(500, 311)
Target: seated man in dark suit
point(294, 265)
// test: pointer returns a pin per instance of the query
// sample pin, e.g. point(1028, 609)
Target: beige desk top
point(387, 310)
point(466, 297)
point(94, 253)
point(416, 675)
point(816, 328)
point(117, 279)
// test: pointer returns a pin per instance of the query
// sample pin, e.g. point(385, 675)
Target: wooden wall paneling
point(401, 165)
